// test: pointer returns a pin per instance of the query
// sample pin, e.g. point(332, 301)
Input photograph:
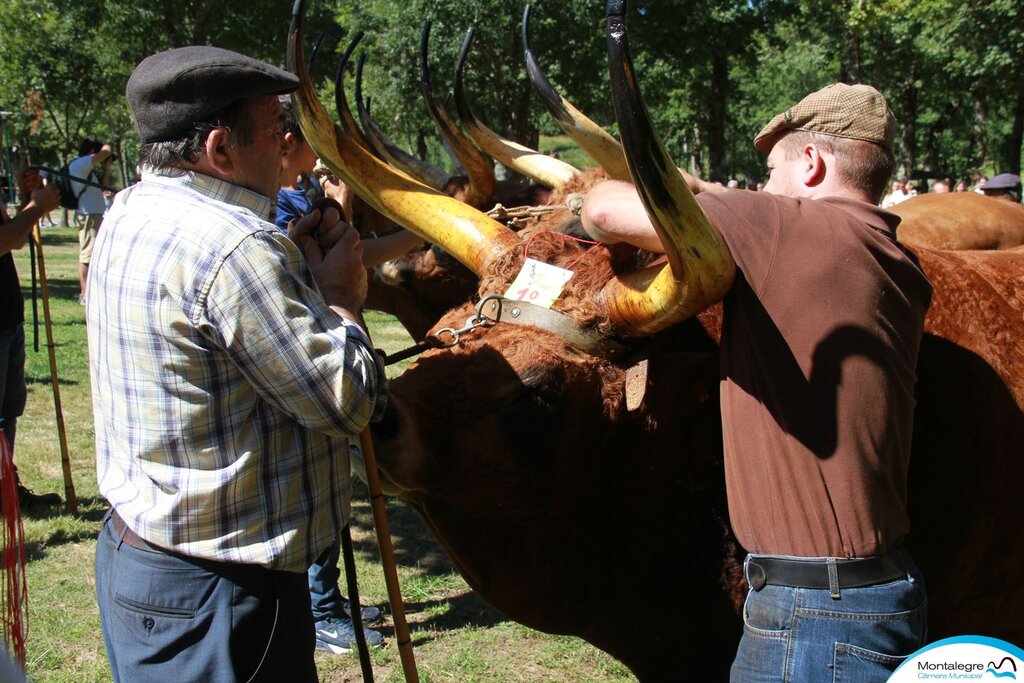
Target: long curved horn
point(528, 162)
point(701, 268)
point(478, 169)
point(348, 122)
point(592, 138)
point(399, 158)
point(466, 233)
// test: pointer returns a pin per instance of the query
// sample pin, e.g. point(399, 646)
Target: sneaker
point(370, 614)
point(28, 498)
point(336, 635)
point(81, 299)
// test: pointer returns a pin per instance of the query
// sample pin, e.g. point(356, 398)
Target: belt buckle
point(756, 575)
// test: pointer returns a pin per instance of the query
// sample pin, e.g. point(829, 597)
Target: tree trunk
point(910, 122)
point(717, 111)
point(980, 129)
point(1016, 139)
point(421, 144)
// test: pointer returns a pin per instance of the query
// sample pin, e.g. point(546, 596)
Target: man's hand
point(335, 255)
point(28, 181)
point(339, 192)
point(46, 197)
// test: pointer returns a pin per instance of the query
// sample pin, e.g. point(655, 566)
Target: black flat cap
point(171, 91)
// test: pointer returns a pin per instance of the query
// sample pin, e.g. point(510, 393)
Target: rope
point(15, 588)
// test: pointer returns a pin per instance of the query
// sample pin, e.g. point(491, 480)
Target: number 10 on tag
point(538, 283)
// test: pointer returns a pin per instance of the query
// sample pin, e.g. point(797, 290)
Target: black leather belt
point(833, 574)
point(129, 537)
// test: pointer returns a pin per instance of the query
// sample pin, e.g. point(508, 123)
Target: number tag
point(538, 283)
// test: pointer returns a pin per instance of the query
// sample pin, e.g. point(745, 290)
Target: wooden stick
point(70, 499)
point(349, 555)
point(387, 559)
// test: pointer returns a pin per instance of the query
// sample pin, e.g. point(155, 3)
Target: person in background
point(332, 612)
point(229, 371)
point(820, 338)
point(897, 195)
point(961, 186)
point(940, 186)
point(91, 203)
point(298, 189)
point(14, 233)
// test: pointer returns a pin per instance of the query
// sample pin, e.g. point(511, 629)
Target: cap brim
point(770, 134)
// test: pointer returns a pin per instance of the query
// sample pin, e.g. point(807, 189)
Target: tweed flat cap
point(171, 91)
point(1002, 183)
point(846, 111)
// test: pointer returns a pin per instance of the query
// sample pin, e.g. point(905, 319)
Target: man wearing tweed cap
point(818, 348)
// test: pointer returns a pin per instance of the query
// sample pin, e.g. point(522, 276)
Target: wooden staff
point(70, 499)
point(356, 611)
point(387, 559)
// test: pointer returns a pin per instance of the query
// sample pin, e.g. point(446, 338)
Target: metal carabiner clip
point(472, 322)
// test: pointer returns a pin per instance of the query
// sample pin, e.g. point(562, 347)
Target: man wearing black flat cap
point(229, 371)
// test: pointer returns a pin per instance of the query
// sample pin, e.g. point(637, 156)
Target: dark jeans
point(323, 583)
point(12, 379)
point(169, 618)
point(804, 634)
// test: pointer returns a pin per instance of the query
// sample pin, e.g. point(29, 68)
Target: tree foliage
point(712, 71)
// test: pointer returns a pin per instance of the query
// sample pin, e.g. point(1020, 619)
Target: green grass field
point(456, 636)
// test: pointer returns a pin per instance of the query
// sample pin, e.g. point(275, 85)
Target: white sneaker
point(336, 635)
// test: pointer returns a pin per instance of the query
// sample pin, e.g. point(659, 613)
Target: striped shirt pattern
point(224, 389)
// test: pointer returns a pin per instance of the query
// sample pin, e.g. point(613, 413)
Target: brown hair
point(864, 165)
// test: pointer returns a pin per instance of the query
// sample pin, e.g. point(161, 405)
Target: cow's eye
point(532, 414)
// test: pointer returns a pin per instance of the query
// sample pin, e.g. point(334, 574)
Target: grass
point(566, 150)
point(456, 636)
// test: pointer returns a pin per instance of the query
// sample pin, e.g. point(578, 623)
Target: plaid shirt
point(224, 389)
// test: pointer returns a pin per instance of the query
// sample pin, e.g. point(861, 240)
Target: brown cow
point(959, 220)
point(521, 451)
point(548, 493)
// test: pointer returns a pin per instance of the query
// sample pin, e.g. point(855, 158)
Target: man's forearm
point(380, 249)
point(14, 233)
point(613, 212)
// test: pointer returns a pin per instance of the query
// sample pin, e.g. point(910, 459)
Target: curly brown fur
point(592, 269)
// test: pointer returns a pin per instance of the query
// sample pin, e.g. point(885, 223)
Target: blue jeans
point(12, 379)
point(166, 617)
point(323, 583)
point(805, 635)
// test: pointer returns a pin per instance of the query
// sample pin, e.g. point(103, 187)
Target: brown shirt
point(819, 346)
